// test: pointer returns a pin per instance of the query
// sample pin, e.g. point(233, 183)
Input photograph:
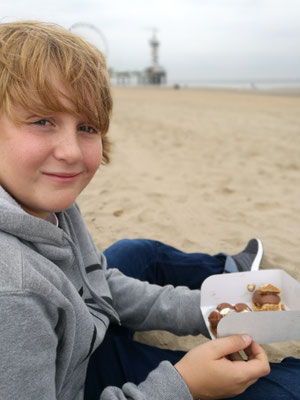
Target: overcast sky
point(200, 39)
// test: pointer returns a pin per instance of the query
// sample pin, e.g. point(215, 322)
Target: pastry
point(214, 318)
point(221, 311)
point(251, 287)
point(267, 298)
point(242, 307)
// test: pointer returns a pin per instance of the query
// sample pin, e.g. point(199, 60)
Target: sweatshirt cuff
point(192, 315)
point(163, 383)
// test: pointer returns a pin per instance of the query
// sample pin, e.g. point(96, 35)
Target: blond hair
point(30, 50)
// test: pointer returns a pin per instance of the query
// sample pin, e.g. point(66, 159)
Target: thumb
point(230, 344)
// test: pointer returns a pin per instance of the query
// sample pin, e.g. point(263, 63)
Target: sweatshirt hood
point(63, 245)
point(15, 221)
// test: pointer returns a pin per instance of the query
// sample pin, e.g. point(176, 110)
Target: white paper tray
point(262, 326)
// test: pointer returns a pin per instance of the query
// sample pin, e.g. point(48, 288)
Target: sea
point(277, 85)
point(243, 84)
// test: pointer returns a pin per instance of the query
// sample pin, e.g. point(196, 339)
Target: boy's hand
point(215, 370)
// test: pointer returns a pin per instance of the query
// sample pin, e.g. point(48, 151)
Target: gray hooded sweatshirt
point(56, 301)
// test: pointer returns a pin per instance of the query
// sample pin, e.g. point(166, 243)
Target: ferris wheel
point(92, 34)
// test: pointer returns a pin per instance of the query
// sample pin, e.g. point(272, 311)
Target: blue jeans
point(119, 359)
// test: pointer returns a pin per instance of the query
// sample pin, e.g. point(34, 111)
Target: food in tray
point(242, 307)
point(214, 319)
point(267, 298)
point(222, 310)
point(251, 287)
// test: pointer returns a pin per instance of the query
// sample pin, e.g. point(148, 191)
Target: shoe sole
point(256, 262)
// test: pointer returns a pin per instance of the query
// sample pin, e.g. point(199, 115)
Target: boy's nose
point(68, 148)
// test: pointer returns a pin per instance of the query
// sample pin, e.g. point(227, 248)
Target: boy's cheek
point(96, 157)
point(94, 162)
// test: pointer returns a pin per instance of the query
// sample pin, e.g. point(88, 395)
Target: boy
point(57, 297)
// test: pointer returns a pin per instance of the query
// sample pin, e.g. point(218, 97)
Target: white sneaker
point(250, 258)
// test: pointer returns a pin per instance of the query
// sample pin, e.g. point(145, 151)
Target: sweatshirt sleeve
point(163, 383)
point(145, 306)
point(27, 349)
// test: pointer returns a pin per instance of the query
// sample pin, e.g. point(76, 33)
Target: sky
point(200, 40)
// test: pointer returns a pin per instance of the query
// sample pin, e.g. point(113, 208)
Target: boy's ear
point(106, 148)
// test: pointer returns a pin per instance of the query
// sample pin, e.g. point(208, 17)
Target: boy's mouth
point(63, 177)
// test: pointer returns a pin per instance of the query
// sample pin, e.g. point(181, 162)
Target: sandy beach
point(203, 170)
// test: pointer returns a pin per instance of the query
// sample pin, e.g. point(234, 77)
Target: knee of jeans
point(129, 245)
point(292, 360)
point(135, 248)
point(122, 243)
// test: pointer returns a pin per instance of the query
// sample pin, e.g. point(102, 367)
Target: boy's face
point(46, 162)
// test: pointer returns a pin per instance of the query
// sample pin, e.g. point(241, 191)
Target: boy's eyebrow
point(28, 114)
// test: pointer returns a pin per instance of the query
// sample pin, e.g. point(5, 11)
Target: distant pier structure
point(155, 74)
point(152, 75)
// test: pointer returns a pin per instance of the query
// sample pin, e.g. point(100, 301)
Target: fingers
point(229, 345)
point(258, 360)
point(249, 383)
point(235, 357)
point(257, 365)
point(255, 369)
point(255, 351)
point(217, 370)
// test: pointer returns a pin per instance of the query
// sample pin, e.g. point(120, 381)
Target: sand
point(203, 170)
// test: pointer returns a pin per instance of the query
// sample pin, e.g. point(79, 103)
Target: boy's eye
point(87, 128)
point(43, 122)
